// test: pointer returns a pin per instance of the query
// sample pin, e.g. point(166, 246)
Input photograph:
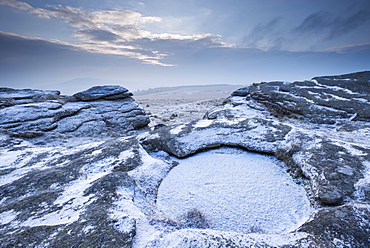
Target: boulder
point(306, 155)
point(255, 134)
point(52, 197)
point(9, 97)
point(343, 226)
point(110, 92)
point(89, 195)
point(323, 100)
point(333, 167)
point(110, 111)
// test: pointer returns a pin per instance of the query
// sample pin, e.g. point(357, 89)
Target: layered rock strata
point(99, 111)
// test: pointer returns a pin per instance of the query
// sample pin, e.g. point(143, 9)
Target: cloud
point(74, 16)
point(365, 47)
point(265, 36)
point(178, 42)
point(130, 32)
point(314, 32)
point(122, 18)
point(315, 22)
point(43, 13)
point(28, 62)
point(17, 4)
point(97, 35)
point(331, 26)
point(119, 32)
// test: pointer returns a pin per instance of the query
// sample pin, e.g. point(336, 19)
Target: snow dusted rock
point(104, 194)
point(321, 100)
point(103, 92)
point(209, 238)
point(53, 196)
point(9, 97)
point(111, 111)
point(310, 156)
point(343, 226)
point(254, 134)
point(333, 156)
point(333, 167)
point(88, 195)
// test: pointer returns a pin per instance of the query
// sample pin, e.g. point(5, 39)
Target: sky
point(58, 44)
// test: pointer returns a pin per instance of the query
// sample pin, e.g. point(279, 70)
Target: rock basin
point(234, 190)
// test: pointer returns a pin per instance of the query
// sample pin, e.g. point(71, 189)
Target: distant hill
point(189, 91)
point(73, 86)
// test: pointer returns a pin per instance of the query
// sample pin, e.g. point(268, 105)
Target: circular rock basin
point(234, 190)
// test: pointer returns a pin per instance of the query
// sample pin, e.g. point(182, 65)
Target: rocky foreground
point(84, 170)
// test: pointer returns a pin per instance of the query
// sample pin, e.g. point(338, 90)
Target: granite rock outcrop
point(102, 192)
point(99, 111)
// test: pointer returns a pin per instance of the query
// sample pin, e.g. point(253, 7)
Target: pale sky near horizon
point(155, 43)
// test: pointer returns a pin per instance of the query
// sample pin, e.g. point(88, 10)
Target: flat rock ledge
point(103, 193)
point(98, 111)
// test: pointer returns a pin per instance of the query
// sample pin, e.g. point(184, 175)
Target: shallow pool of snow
point(236, 191)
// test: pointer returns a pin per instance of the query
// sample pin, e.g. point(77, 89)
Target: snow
point(325, 108)
point(148, 177)
point(7, 217)
point(145, 232)
point(73, 199)
point(203, 123)
point(73, 203)
point(335, 88)
point(236, 191)
point(17, 160)
point(124, 210)
point(146, 135)
point(231, 121)
point(188, 238)
point(341, 79)
point(336, 97)
point(125, 155)
point(329, 96)
point(177, 129)
point(363, 184)
point(361, 100)
point(350, 148)
point(346, 170)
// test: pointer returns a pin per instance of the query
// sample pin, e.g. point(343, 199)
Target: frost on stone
point(362, 187)
point(74, 174)
point(235, 191)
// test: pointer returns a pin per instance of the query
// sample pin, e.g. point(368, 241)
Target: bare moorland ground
point(175, 105)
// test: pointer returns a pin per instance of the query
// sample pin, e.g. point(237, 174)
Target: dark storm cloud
point(325, 22)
